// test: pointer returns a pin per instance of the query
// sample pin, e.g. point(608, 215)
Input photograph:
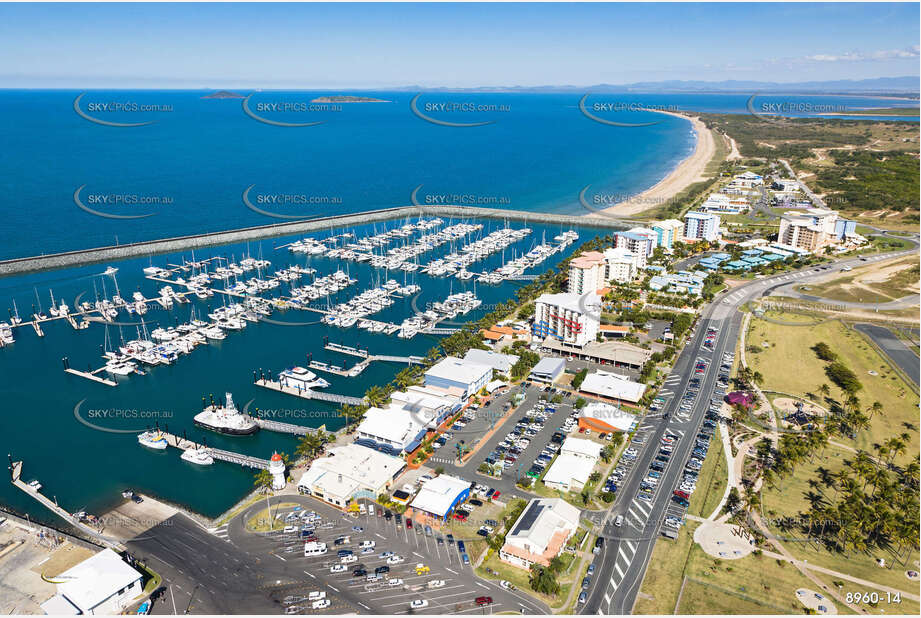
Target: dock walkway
point(247, 461)
point(309, 394)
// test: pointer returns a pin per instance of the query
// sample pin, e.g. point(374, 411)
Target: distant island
point(341, 98)
point(223, 94)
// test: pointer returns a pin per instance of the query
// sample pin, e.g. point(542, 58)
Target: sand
point(687, 173)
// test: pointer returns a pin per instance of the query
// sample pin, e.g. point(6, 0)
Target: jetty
point(247, 461)
point(89, 375)
point(309, 394)
point(52, 505)
point(290, 428)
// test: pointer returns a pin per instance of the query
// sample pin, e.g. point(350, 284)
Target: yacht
point(153, 439)
point(213, 332)
point(6, 333)
point(200, 456)
point(301, 378)
point(120, 367)
point(111, 270)
point(226, 419)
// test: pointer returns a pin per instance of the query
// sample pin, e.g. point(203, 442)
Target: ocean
point(206, 165)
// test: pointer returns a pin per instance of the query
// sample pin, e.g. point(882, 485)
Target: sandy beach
point(688, 172)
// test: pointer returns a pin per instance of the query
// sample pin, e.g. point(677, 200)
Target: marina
point(242, 329)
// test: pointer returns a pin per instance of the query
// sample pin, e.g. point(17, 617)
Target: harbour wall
point(85, 257)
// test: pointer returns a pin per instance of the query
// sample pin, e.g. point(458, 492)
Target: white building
point(101, 584)
point(439, 496)
point(350, 472)
point(500, 363)
point(393, 430)
point(569, 318)
point(701, 226)
point(620, 265)
point(638, 244)
point(586, 273)
point(571, 469)
point(540, 533)
point(649, 233)
point(605, 418)
point(612, 386)
point(451, 372)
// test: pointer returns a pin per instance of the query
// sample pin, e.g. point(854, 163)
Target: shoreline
point(686, 173)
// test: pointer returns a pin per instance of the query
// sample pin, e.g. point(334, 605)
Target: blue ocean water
point(48, 414)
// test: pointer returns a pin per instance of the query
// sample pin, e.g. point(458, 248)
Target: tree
point(824, 352)
point(843, 377)
point(733, 501)
point(579, 404)
point(543, 580)
point(578, 379)
point(263, 481)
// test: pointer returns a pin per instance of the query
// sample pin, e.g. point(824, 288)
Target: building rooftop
point(568, 467)
point(439, 494)
point(498, 361)
point(94, 580)
point(458, 370)
point(549, 365)
point(349, 467)
point(613, 386)
point(608, 414)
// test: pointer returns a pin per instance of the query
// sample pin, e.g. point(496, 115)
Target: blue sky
point(376, 45)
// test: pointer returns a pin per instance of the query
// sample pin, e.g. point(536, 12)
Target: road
point(627, 550)
point(894, 348)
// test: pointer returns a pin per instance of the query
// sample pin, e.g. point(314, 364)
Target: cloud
point(884, 54)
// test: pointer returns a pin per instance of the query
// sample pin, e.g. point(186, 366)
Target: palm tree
point(263, 481)
point(375, 396)
point(874, 409)
point(825, 390)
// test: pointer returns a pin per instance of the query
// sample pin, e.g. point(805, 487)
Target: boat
point(34, 484)
point(200, 456)
point(111, 270)
point(301, 379)
point(153, 439)
point(144, 608)
point(120, 367)
point(225, 419)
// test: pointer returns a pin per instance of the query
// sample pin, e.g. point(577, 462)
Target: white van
point(370, 509)
point(314, 548)
point(316, 595)
point(362, 509)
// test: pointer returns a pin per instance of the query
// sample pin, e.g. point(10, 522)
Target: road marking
point(279, 557)
point(632, 547)
point(365, 606)
point(481, 585)
point(332, 587)
point(312, 576)
point(619, 572)
point(450, 571)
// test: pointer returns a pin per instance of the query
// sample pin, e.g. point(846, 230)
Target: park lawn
point(898, 285)
point(905, 606)
point(789, 500)
point(750, 585)
point(713, 478)
point(790, 366)
point(659, 591)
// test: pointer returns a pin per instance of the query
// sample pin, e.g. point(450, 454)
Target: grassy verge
point(789, 365)
point(264, 521)
point(659, 591)
point(714, 476)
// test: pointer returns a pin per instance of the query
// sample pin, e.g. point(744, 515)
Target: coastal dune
point(687, 172)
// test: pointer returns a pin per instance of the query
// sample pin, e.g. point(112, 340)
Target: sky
point(346, 45)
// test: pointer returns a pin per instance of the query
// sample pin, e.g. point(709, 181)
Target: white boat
point(301, 378)
point(111, 270)
point(200, 456)
point(153, 439)
point(213, 332)
point(120, 367)
point(226, 419)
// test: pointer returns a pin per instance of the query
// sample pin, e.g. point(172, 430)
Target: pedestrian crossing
point(220, 531)
point(625, 553)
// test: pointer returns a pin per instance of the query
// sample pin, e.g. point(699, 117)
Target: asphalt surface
point(625, 555)
point(292, 573)
point(894, 348)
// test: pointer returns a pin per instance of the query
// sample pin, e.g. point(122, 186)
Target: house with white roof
point(540, 533)
point(612, 386)
point(571, 469)
point(455, 372)
point(605, 418)
point(500, 363)
point(394, 430)
point(101, 584)
point(439, 496)
point(350, 472)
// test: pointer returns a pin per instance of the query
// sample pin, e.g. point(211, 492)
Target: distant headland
point(341, 98)
point(223, 94)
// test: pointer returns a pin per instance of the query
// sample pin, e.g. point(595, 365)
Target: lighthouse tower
point(277, 469)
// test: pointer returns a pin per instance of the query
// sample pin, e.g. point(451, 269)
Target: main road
point(627, 549)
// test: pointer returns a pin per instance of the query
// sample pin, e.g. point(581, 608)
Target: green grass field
point(790, 366)
point(712, 480)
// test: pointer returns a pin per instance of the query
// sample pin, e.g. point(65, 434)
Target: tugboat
point(225, 419)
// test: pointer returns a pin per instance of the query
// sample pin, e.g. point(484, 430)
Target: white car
point(348, 559)
point(290, 530)
point(316, 595)
point(395, 559)
point(419, 604)
point(367, 545)
point(395, 582)
point(321, 604)
point(337, 568)
point(437, 583)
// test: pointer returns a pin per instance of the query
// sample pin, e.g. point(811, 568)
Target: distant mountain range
point(901, 86)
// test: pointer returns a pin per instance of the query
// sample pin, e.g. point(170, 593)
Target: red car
point(496, 495)
point(484, 600)
point(459, 516)
point(409, 523)
point(681, 494)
